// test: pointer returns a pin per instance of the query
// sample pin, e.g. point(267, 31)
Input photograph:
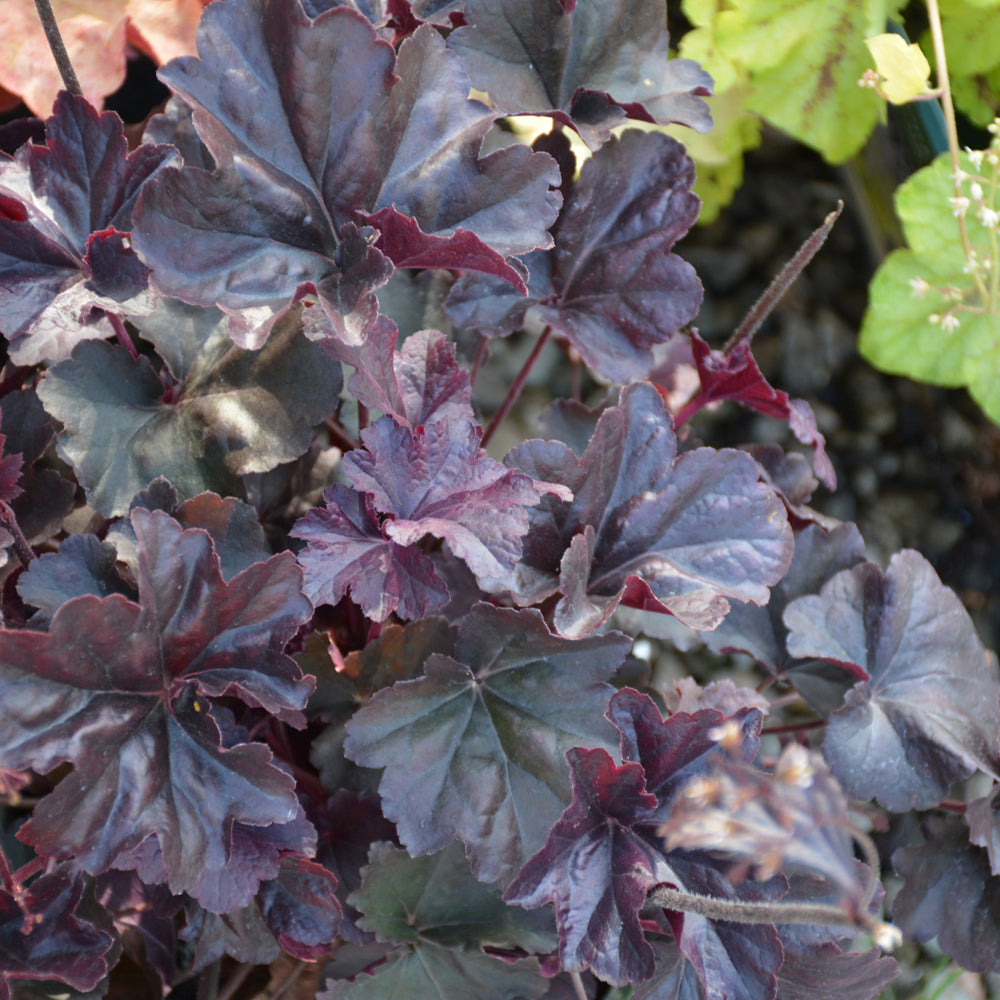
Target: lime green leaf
point(926, 318)
point(804, 58)
point(904, 69)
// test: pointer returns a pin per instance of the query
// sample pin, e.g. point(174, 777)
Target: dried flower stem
point(774, 292)
point(54, 37)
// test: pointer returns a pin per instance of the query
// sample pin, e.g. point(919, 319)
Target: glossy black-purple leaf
point(476, 747)
point(697, 529)
point(828, 973)
point(124, 691)
point(348, 825)
point(794, 818)
point(983, 817)
point(675, 977)
point(300, 907)
point(612, 285)
point(925, 715)
point(325, 128)
point(675, 750)
point(950, 893)
point(589, 64)
point(433, 480)
point(437, 898)
point(734, 374)
point(761, 632)
point(145, 917)
point(347, 550)
point(56, 281)
point(598, 871)
point(417, 384)
point(735, 961)
point(233, 525)
point(41, 938)
point(83, 565)
point(432, 972)
point(46, 498)
point(232, 412)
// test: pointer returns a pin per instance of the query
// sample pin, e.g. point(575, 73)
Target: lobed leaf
point(42, 938)
point(922, 717)
point(64, 257)
point(125, 692)
point(475, 748)
point(611, 285)
point(588, 64)
point(693, 530)
point(434, 480)
point(598, 871)
point(317, 140)
point(950, 893)
point(233, 412)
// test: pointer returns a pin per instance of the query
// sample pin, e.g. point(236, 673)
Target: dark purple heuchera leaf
point(83, 565)
point(694, 530)
point(432, 972)
point(612, 285)
point(417, 384)
point(589, 64)
point(475, 748)
point(441, 917)
point(949, 893)
point(735, 375)
point(437, 898)
point(64, 253)
point(124, 691)
point(317, 139)
point(737, 961)
point(604, 855)
point(41, 938)
point(827, 973)
point(300, 907)
point(598, 871)
point(230, 413)
point(430, 480)
point(233, 525)
point(925, 714)
point(675, 750)
point(761, 631)
point(983, 817)
point(347, 826)
point(347, 550)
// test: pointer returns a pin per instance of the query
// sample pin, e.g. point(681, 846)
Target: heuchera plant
point(294, 672)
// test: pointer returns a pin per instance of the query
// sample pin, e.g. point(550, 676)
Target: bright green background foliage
point(898, 334)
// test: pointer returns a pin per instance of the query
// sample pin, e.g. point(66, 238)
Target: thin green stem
point(518, 385)
point(944, 85)
point(774, 292)
point(54, 37)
